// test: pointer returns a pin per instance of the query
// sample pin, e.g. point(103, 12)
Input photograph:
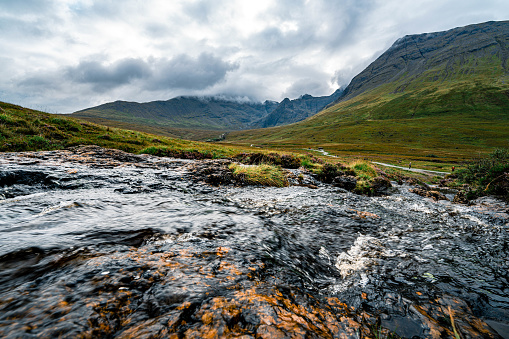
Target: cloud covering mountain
point(64, 55)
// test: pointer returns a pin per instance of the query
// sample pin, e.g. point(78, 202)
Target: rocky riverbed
point(101, 243)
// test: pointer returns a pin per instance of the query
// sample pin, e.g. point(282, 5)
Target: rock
point(213, 172)
point(461, 198)
point(21, 177)
point(380, 185)
point(435, 195)
point(347, 182)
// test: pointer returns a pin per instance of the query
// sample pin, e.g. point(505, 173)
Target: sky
point(61, 56)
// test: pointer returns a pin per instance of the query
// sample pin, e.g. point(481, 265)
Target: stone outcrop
point(435, 195)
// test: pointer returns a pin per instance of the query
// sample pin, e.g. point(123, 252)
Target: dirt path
point(413, 169)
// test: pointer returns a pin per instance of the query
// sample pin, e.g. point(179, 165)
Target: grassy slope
point(22, 129)
point(172, 132)
point(448, 114)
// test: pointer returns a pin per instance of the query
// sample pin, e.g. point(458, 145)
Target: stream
point(97, 245)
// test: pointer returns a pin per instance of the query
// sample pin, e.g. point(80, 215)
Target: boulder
point(461, 198)
point(380, 185)
point(435, 195)
point(347, 182)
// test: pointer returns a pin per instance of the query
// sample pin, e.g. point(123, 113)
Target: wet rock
point(301, 177)
point(347, 182)
point(213, 172)
point(461, 198)
point(97, 152)
point(21, 177)
point(435, 195)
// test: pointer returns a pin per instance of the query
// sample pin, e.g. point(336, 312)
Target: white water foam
point(364, 252)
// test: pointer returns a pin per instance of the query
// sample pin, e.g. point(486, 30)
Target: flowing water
point(149, 251)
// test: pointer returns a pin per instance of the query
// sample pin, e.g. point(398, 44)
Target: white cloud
point(66, 55)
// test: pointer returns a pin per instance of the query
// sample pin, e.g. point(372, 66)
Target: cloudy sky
point(64, 55)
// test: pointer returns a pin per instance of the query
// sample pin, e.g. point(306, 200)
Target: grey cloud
point(180, 72)
point(200, 10)
point(107, 77)
point(104, 8)
point(186, 72)
point(157, 30)
point(274, 37)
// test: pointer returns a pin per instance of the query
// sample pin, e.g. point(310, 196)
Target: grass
point(488, 175)
point(363, 169)
point(264, 174)
point(456, 334)
point(23, 129)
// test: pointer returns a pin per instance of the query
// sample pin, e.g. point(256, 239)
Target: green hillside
point(416, 100)
point(23, 129)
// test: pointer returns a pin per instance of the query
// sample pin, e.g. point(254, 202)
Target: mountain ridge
point(418, 55)
point(207, 112)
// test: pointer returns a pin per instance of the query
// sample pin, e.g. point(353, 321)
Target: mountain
point(460, 53)
point(290, 111)
point(441, 91)
point(179, 115)
point(183, 112)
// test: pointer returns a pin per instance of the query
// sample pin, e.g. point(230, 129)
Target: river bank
point(102, 243)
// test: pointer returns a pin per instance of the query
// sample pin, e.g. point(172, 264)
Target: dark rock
point(213, 172)
point(445, 182)
point(380, 185)
point(461, 198)
point(347, 182)
point(21, 177)
point(435, 195)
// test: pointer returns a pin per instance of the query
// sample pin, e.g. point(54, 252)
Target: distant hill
point(444, 90)
point(183, 112)
point(204, 113)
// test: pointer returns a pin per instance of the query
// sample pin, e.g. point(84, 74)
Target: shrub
point(6, 119)
point(488, 175)
point(37, 142)
point(328, 172)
